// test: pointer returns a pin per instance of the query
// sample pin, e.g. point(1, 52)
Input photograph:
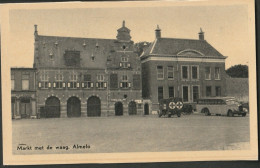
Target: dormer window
point(97, 45)
point(84, 44)
point(124, 47)
point(51, 55)
point(92, 57)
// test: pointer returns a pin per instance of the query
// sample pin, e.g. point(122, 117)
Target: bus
point(220, 106)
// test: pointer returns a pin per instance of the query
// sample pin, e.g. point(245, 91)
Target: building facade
point(23, 92)
point(87, 76)
point(186, 68)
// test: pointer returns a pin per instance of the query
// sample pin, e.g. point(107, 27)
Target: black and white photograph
point(116, 82)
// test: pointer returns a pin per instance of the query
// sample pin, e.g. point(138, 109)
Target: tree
point(140, 46)
point(238, 71)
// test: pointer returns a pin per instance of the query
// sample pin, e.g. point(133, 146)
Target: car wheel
point(243, 115)
point(169, 115)
point(230, 113)
point(206, 111)
point(179, 114)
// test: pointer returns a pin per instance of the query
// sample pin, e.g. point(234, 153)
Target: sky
point(225, 27)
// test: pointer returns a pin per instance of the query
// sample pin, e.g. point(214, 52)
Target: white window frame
point(209, 73)
point(158, 72)
point(188, 93)
point(193, 92)
point(171, 72)
point(188, 74)
point(198, 76)
point(218, 77)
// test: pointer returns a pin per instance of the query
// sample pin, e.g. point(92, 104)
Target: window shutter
point(91, 84)
point(64, 84)
point(82, 85)
point(54, 84)
point(121, 84)
point(120, 64)
point(105, 84)
point(96, 84)
point(68, 84)
point(129, 84)
point(128, 65)
point(77, 85)
point(49, 84)
point(40, 85)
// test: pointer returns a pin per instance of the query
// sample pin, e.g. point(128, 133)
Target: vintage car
point(220, 106)
point(171, 106)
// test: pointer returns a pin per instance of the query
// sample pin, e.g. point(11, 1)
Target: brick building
point(87, 76)
point(23, 92)
point(186, 68)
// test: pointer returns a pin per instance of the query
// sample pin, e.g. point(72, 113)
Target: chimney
point(35, 30)
point(158, 32)
point(201, 35)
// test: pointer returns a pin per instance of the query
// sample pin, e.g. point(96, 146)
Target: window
point(25, 81)
point(73, 81)
point(217, 73)
point(185, 93)
point(87, 81)
point(124, 63)
point(137, 81)
point(218, 91)
point(44, 80)
point(160, 74)
point(184, 72)
point(195, 93)
point(207, 73)
point(170, 72)
point(160, 93)
point(171, 91)
point(12, 82)
point(113, 81)
point(100, 82)
point(194, 72)
point(125, 83)
point(59, 78)
point(208, 91)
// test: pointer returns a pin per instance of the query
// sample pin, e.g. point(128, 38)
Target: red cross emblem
point(172, 105)
point(179, 105)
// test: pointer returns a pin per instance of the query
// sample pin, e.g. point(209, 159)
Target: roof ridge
point(182, 39)
point(74, 37)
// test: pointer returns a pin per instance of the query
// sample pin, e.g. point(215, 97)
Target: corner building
point(87, 76)
point(186, 68)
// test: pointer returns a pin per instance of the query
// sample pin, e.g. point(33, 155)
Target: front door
point(73, 107)
point(94, 107)
point(132, 108)
point(146, 109)
point(118, 109)
point(52, 108)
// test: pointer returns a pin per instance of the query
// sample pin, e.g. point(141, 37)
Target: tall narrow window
point(207, 73)
point(124, 83)
point(59, 79)
point(73, 81)
point(44, 80)
point(25, 82)
point(195, 72)
point(208, 91)
point(160, 74)
point(125, 62)
point(195, 93)
point(218, 91)
point(171, 91)
point(100, 81)
point(12, 81)
point(160, 93)
point(170, 72)
point(113, 81)
point(217, 73)
point(185, 93)
point(184, 72)
point(87, 81)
